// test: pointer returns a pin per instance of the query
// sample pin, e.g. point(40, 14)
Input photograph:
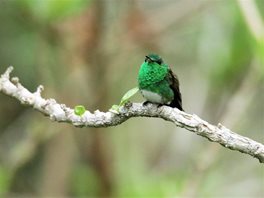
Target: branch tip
point(8, 71)
point(40, 88)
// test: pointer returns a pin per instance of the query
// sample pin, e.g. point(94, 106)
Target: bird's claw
point(146, 103)
point(160, 105)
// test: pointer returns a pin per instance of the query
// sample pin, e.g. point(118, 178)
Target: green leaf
point(115, 109)
point(79, 110)
point(124, 100)
point(128, 95)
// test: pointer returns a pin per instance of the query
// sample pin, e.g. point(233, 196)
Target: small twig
point(61, 113)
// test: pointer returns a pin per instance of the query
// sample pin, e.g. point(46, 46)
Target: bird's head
point(153, 58)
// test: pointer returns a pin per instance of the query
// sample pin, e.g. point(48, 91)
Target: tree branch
point(61, 113)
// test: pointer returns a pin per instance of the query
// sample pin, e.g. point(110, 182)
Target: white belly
point(152, 97)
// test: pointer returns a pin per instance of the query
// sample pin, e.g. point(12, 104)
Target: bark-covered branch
point(62, 113)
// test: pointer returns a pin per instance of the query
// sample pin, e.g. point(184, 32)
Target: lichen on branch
point(61, 113)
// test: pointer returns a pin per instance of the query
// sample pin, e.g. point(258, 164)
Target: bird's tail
point(176, 103)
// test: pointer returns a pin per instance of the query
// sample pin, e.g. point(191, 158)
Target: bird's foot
point(160, 105)
point(146, 103)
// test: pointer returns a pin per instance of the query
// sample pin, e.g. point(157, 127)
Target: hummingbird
point(158, 84)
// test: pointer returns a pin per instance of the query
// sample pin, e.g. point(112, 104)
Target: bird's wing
point(174, 85)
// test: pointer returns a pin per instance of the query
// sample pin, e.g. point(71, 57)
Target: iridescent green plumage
point(157, 83)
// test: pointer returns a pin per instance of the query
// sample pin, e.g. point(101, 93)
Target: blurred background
point(89, 52)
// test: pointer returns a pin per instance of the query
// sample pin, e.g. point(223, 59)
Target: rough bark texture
point(61, 113)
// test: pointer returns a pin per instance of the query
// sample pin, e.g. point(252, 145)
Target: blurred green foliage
point(5, 178)
point(84, 182)
point(50, 10)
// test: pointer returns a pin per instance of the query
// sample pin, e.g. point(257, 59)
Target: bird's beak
point(148, 59)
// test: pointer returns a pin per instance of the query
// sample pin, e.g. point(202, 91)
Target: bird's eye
point(148, 59)
point(159, 61)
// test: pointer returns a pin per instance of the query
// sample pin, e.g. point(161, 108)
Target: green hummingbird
point(158, 84)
